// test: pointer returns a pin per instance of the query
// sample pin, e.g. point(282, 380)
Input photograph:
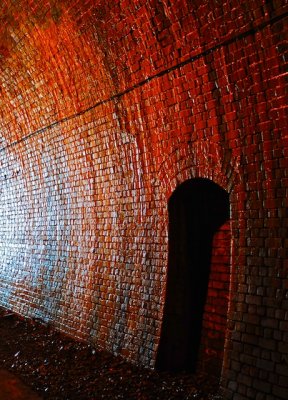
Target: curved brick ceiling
point(59, 58)
point(105, 107)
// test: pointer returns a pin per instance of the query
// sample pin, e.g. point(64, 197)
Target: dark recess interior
point(197, 209)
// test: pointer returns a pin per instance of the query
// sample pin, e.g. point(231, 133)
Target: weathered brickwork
point(106, 107)
point(215, 313)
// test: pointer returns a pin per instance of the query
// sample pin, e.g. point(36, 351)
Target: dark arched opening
point(197, 210)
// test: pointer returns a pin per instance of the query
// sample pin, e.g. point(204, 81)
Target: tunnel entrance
point(198, 277)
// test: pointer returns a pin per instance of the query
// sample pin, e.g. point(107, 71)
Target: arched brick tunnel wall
point(106, 107)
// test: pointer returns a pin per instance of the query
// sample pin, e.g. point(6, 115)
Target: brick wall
point(106, 107)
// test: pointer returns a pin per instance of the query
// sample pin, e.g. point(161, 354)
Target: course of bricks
point(106, 107)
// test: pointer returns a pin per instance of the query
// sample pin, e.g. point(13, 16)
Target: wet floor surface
point(12, 388)
point(56, 367)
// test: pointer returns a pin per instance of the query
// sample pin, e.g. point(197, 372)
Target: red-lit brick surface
point(215, 312)
point(106, 106)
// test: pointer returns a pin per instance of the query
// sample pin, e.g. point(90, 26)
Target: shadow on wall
point(197, 209)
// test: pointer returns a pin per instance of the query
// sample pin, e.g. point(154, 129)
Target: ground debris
point(59, 368)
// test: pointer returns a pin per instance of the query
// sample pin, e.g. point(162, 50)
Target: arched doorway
point(198, 209)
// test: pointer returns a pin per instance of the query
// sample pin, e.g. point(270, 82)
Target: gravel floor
point(59, 368)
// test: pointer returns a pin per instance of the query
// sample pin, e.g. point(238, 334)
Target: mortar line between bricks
point(204, 53)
